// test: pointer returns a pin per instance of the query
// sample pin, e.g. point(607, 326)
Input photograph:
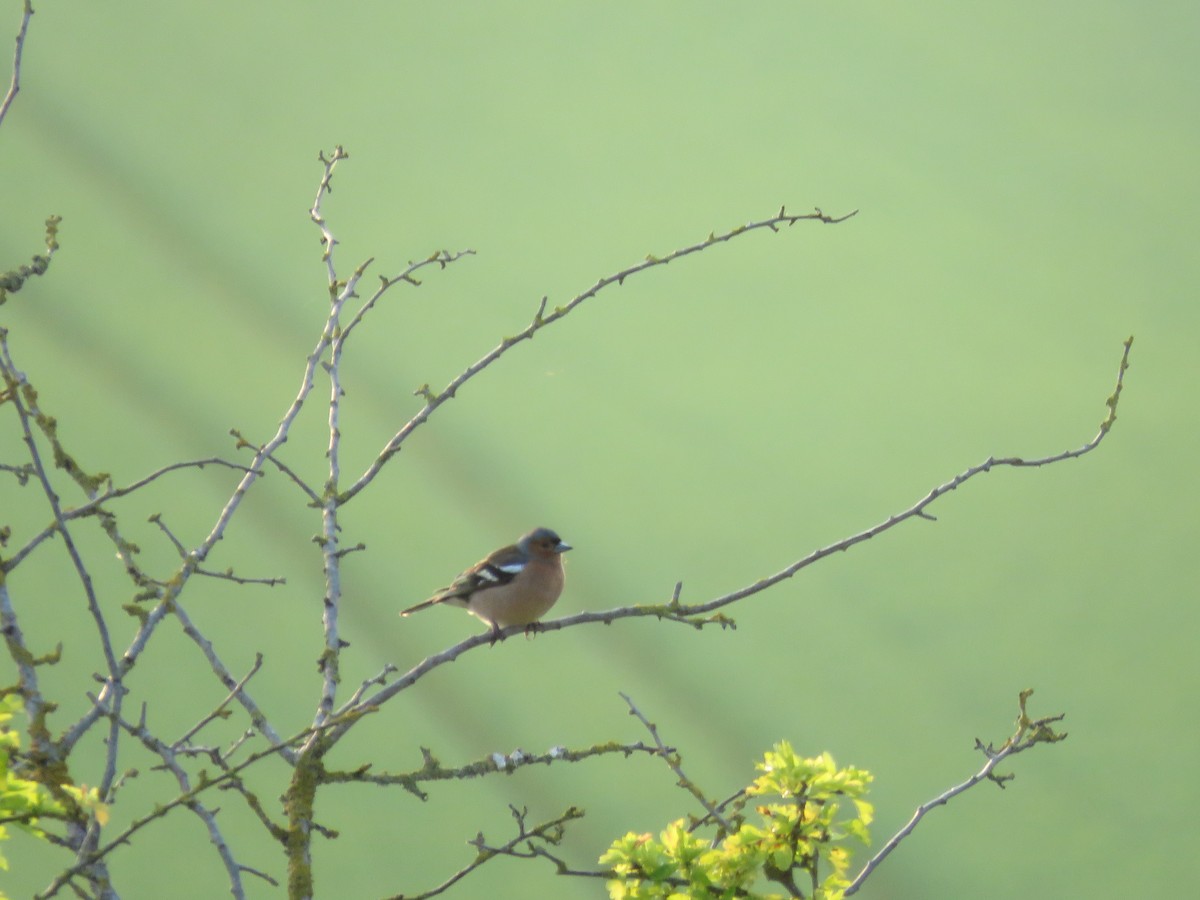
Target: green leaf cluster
point(22, 800)
point(808, 809)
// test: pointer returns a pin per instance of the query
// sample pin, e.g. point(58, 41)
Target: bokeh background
point(1027, 181)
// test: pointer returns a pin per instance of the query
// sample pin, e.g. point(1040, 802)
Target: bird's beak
point(563, 548)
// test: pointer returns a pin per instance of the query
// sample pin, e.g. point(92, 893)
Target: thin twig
point(368, 683)
point(216, 711)
point(283, 467)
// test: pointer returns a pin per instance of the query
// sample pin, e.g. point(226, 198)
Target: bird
point(515, 585)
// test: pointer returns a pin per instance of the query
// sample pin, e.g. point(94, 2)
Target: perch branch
point(700, 615)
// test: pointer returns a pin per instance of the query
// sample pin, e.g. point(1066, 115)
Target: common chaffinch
point(516, 585)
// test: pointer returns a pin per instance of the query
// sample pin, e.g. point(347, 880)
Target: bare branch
point(168, 591)
point(235, 688)
point(918, 510)
point(227, 575)
point(541, 320)
point(441, 258)
point(380, 679)
point(702, 614)
point(305, 752)
point(187, 798)
point(25, 401)
point(206, 815)
point(523, 846)
point(674, 762)
point(505, 763)
point(1029, 733)
point(94, 505)
point(698, 615)
point(325, 187)
point(329, 499)
point(14, 85)
point(279, 464)
point(330, 661)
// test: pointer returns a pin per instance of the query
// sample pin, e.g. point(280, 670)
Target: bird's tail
point(424, 604)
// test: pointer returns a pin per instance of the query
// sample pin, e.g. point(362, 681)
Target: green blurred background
point(1028, 184)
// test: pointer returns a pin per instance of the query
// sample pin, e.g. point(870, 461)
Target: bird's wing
point(498, 569)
